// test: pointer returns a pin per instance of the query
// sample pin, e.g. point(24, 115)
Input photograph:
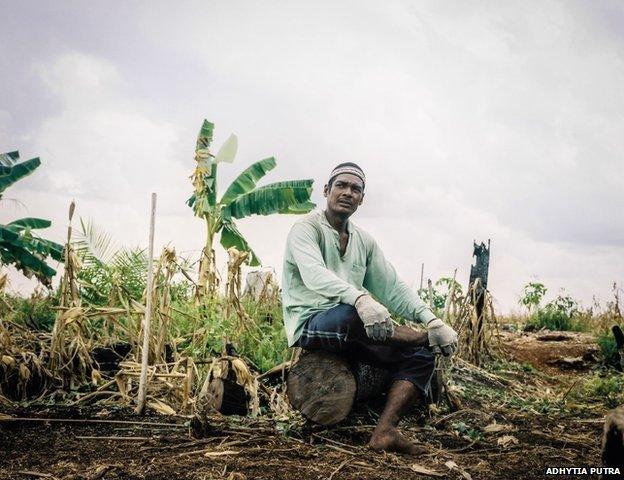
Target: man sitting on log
point(332, 270)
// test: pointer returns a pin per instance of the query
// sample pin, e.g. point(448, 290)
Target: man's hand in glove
point(375, 317)
point(442, 338)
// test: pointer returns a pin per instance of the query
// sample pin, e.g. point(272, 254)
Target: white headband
point(347, 169)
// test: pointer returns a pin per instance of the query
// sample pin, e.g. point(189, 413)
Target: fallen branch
point(340, 467)
point(113, 438)
point(91, 420)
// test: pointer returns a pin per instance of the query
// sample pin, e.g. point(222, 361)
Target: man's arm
point(382, 281)
point(303, 244)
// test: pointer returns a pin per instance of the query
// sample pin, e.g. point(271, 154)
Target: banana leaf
point(8, 235)
point(299, 209)
point(11, 237)
point(204, 139)
point(29, 222)
point(23, 260)
point(281, 197)
point(228, 150)
point(9, 159)
point(231, 237)
point(44, 247)
point(191, 201)
point(211, 186)
point(17, 172)
point(247, 180)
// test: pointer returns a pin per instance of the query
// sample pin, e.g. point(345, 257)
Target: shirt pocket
point(356, 276)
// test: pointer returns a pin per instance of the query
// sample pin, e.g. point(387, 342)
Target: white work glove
point(375, 317)
point(442, 338)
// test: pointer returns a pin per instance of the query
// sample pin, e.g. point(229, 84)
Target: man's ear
point(361, 199)
point(325, 190)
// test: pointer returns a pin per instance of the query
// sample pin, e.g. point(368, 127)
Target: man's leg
point(335, 328)
point(386, 436)
point(406, 337)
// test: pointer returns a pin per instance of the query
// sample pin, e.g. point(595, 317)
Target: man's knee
point(332, 328)
point(348, 315)
point(419, 358)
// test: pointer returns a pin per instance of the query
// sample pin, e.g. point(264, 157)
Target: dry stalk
point(23, 373)
point(233, 289)
point(69, 358)
point(476, 333)
point(165, 271)
point(169, 389)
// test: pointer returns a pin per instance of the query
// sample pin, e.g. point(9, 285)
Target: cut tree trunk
point(324, 386)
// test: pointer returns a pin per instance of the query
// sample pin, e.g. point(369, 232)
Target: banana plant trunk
point(208, 283)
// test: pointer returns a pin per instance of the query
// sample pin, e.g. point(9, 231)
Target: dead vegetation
point(512, 414)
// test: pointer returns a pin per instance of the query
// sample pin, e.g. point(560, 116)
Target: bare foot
point(392, 441)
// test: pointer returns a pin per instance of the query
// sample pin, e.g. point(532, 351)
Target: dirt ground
point(480, 441)
point(556, 353)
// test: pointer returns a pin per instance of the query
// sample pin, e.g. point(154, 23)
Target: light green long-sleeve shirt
point(316, 278)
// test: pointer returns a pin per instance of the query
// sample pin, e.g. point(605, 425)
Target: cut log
point(324, 387)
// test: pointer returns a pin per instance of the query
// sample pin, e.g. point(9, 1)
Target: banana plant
point(19, 246)
point(241, 199)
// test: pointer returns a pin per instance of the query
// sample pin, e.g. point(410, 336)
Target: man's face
point(345, 195)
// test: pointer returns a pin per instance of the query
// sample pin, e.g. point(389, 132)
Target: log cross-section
point(322, 387)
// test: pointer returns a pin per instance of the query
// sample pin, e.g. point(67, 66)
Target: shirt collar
point(324, 221)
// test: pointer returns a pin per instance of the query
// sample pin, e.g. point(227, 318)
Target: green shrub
point(609, 350)
point(608, 389)
point(561, 314)
point(35, 312)
point(203, 329)
point(533, 294)
point(551, 319)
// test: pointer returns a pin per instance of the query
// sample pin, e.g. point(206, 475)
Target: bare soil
point(87, 451)
point(552, 352)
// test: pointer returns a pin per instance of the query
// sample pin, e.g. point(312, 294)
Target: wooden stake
point(140, 409)
point(422, 273)
point(449, 298)
point(430, 290)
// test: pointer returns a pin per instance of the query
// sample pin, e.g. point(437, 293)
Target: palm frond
point(93, 243)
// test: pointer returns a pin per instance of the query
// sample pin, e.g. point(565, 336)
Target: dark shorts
point(340, 330)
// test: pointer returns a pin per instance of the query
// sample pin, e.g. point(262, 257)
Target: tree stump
point(219, 393)
point(226, 397)
point(324, 387)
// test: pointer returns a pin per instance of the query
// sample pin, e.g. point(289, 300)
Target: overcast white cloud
point(477, 120)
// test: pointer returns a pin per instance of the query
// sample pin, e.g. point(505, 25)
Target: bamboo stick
point(140, 409)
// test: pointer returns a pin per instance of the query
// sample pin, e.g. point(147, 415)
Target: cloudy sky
point(472, 120)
